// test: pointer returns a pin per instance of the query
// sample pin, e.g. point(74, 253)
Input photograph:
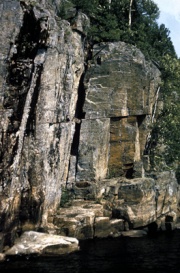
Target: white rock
point(32, 242)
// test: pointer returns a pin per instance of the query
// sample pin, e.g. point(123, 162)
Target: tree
point(135, 22)
point(166, 133)
point(88, 7)
point(104, 25)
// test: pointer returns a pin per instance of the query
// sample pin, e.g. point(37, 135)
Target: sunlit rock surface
point(32, 242)
point(120, 93)
point(42, 60)
point(123, 204)
point(74, 129)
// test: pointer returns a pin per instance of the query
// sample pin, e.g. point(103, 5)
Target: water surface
point(152, 254)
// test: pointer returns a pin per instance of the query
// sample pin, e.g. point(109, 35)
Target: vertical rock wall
point(120, 94)
point(42, 60)
point(72, 121)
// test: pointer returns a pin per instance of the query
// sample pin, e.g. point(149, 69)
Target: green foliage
point(147, 9)
point(62, 10)
point(165, 141)
point(135, 22)
point(88, 7)
point(110, 22)
point(104, 24)
point(66, 197)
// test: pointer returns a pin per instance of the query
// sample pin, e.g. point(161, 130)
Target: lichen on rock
point(75, 120)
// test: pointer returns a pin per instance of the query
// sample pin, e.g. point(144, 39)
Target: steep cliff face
point(72, 118)
point(120, 93)
point(42, 60)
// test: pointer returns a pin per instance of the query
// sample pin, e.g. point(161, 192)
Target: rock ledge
point(32, 242)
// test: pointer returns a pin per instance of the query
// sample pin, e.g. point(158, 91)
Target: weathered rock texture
point(42, 61)
point(71, 119)
point(32, 242)
point(120, 92)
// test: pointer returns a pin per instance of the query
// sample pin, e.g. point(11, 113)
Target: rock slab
point(32, 242)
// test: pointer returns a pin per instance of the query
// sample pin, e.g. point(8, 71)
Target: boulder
point(134, 233)
point(75, 118)
point(32, 242)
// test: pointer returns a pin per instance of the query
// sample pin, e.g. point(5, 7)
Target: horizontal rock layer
point(75, 125)
point(121, 204)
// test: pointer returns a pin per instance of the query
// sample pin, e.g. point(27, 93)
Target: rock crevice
point(75, 124)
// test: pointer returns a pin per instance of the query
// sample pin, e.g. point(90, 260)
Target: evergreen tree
point(135, 22)
point(104, 25)
point(166, 132)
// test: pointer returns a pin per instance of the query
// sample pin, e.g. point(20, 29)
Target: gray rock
point(78, 219)
point(44, 130)
point(32, 242)
point(2, 257)
point(134, 233)
point(77, 125)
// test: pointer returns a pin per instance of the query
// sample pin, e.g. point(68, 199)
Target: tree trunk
point(130, 10)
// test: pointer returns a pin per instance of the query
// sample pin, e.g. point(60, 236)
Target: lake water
point(159, 253)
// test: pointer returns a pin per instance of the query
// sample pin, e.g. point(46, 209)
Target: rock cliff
point(75, 123)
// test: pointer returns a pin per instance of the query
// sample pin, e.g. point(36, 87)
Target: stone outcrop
point(123, 204)
point(36, 243)
point(75, 124)
point(42, 60)
point(120, 93)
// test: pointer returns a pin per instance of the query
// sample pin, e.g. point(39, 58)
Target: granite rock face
point(75, 123)
point(120, 93)
point(42, 60)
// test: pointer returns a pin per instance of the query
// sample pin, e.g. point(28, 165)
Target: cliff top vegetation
point(135, 22)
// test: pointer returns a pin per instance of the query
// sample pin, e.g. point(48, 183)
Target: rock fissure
point(20, 134)
point(148, 140)
point(25, 58)
point(22, 78)
point(79, 113)
point(75, 122)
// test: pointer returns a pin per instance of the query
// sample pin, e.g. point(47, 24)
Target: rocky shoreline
point(76, 121)
point(33, 243)
point(117, 212)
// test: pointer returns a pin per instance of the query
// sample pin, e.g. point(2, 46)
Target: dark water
point(155, 254)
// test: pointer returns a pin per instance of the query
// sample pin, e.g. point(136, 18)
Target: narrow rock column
point(38, 62)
